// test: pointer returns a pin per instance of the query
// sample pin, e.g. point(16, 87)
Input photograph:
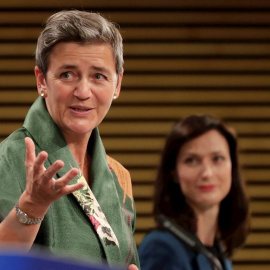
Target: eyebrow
point(101, 69)
point(95, 68)
point(75, 66)
point(190, 154)
point(218, 152)
point(67, 67)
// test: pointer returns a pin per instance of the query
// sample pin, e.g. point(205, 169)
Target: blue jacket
point(163, 251)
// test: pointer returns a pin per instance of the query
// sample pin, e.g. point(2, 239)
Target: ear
point(118, 87)
point(41, 82)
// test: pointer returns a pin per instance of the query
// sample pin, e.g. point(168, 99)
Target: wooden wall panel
point(181, 57)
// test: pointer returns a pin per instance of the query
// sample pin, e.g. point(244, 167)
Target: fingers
point(38, 166)
point(49, 173)
point(40, 180)
point(33, 165)
point(30, 154)
point(63, 181)
point(70, 188)
point(62, 184)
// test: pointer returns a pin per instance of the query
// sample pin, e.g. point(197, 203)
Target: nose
point(83, 90)
point(207, 170)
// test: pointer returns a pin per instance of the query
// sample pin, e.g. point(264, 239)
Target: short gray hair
point(80, 27)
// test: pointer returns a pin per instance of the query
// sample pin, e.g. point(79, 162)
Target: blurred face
point(204, 170)
point(79, 86)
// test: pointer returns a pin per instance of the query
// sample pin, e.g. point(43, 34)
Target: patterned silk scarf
point(92, 209)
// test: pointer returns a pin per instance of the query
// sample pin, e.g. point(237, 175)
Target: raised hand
point(41, 189)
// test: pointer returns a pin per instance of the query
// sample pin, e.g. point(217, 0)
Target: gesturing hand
point(41, 189)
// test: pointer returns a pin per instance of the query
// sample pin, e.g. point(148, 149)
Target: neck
point(78, 147)
point(207, 224)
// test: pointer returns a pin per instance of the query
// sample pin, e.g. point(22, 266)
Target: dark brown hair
point(233, 223)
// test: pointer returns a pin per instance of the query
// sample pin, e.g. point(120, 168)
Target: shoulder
point(123, 176)
point(13, 145)
point(12, 181)
point(161, 248)
point(118, 168)
point(228, 264)
point(12, 158)
point(226, 261)
point(162, 238)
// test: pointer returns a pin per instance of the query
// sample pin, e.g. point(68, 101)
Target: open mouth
point(80, 110)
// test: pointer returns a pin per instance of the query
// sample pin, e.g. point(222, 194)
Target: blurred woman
point(200, 203)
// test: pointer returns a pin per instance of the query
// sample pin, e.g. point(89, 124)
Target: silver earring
point(114, 96)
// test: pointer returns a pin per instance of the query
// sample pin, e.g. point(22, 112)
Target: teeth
point(80, 110)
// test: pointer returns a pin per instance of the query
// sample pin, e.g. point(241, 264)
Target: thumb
point(133, 267)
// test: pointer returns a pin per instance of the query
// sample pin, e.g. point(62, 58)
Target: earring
point(42, 93)
point(114, 96)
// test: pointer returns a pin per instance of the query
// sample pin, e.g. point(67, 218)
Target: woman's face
point(79, 86)
point(204, 170)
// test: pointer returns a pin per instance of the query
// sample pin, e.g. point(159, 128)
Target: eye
point(190, 160)
point(218, 158)
point(66, 75)
point(99, 76)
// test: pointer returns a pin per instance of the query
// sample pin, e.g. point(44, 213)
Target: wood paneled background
point(181, 57)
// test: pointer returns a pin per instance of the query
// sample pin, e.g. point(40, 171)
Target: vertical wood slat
point(181, 57)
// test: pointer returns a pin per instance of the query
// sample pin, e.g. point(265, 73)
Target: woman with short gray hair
point(59, 189)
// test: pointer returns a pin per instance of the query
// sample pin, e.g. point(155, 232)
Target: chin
point(80, 130)
point(82, 126)
point(83, 131)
